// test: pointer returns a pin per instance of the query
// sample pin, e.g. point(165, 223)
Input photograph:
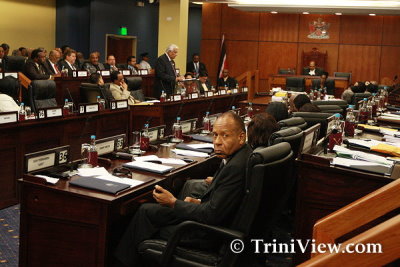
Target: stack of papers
point(48, 179)
point(364, 143)
point(102, 173)
point(363, 156)
point(363, 165)
point(203, 138)
point(148, 166)
point(154, 158)
point(190, 153)
point(205, 148)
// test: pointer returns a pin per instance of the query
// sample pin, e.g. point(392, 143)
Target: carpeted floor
point(9, 236)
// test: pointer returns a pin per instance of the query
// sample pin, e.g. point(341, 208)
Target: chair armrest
point(190, 226)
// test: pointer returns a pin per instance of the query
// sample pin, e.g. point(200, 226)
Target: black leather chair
point(293, 122)
point(331, 109)
point(287, 71)
point(343, 74)
point(269, 181)
point(358, 97)
point(339, 102)
point(42, 94)
point(296, 84)
point(313, 118)
point(10, 86)
point(330, 85)
point(292, 135)
point(16, 63)
point(89, 93)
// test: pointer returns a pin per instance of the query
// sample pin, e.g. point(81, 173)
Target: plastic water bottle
point(101, 103)
point(145, 139)
point(234, 109)
point(363, 113)
point(92, 153)
point(349, 124)
point(177, 131)
point(250, 112)
point(369, 109)
point(206, 124)
point(66, 108)
point(163, 96)
point(335, 137)
point(22, 112)
point(374, 103)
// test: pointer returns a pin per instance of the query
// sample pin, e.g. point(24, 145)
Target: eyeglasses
point(122, 172)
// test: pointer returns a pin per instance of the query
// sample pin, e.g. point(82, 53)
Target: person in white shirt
point(132, 65)
point(7, 104)
point(68, 62)
point(144, 63)
point(313, 70)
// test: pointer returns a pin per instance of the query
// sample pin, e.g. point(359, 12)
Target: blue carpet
point(9, 236)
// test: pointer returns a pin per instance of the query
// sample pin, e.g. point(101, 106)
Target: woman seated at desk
point(190, 86)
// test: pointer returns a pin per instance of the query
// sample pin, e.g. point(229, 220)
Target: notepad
point(190, 153)
point(148, 166)
point(100, 184)
point(161, 160)
point(203, 149)
point(48, 179)
point(363, 165)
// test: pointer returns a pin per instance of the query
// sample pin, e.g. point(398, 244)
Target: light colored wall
point(26, 23)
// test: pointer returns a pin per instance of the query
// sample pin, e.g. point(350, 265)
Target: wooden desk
point(259, 104)
point(279, 80)
point(21, 138)
point(323, 189)
point(73, 226)
point(166, 113)
point(73, 84)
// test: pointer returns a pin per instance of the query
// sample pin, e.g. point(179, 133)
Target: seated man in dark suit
point(312, 70)
point(217, 206)
point(51, 63)
point(226, 81)
point(68, 63)
point(3, 63)
point(34, 68)
point(93, 65)
point(324, 83)
point(203, 84)
point(195, 66)
point(111, 63)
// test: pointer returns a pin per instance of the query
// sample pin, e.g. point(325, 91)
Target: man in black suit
point(3, 63)
point(110, 64)
point(165, 72)
point(68, 63)
point(203, 84)
point(324, 83)
point(34, 68)
point(226, 81)
point(51, 63)
point(195, 66)
point(217, 206)
point(312, 70)
point(93, 65)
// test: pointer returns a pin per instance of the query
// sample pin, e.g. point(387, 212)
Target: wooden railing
point(250, 79)
point(353, 216)
point(24, 82)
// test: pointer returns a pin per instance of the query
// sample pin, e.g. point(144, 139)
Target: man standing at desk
point(165, 71)
point(217, 206)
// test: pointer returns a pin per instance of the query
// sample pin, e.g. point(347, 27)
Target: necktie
point(56, 70)
point(173, 66)
point(196, 67)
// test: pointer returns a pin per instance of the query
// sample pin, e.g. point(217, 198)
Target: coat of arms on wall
point(318, 29)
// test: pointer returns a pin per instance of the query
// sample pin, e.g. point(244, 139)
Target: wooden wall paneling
point(241, 56)
point(390, 62)
point(211, 21)
point(263, 86)
point(333, 29)
point(391, 30)
point(240, 25)
point(279, 27)
point(332, 60)
point(276, 55)
point(361, 29)
point(362, 61)
point(210, 53)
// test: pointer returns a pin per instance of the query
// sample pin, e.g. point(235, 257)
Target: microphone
point(73, 102)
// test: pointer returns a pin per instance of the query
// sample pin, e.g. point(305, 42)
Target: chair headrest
point(43, 84)
point(338, 102)
point(134, 83)
point(305, 115)
point(89, 85)
point(285, 135)
point(362, 95)
point(263, 155)
point(330, 108)
point(295, 121)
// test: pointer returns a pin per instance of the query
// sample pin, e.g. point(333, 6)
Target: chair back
point(89, 92)
point(134, 83)
point(42, 94)
point(329, 83)
point(296, 84)
point(339, 102)
point(315, 55)
point(343, 74)
point(287, 71)
point(16, 63)
point(292, 135)
point(359, 96)
point(330, 109)
point(293, 122)
point(313, 118)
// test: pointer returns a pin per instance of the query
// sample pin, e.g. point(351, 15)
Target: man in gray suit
point(217, 206)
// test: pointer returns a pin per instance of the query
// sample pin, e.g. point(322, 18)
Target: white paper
point(365, 143)
point(153, 101)
point(359, 155)
point(201, 146)
point(391, 115)
point(149, 166)
point(128, 181)
point(162, 160)
point(390, 118)
point(190, 153)
point(89, 172)
point(352, 162)
point(48, 179)
point(147, 158)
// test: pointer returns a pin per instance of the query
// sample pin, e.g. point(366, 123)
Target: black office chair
point(331, 109)
point(293, 122)
point(90, 91)
point(343, 74)
point(42, 94)
point(10, 86)
point(339, 102)
point(16, 63)
point(287, 71)
point(313, 118)
point(329, 83)
point(358, 97)
point(292, 135)
point(296, 84)
point(269, 181)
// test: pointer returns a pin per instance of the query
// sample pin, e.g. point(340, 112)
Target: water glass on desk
point(135, 148)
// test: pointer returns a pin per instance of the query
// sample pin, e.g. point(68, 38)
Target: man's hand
point(164, 197)
point(208, 180)
point(193, 200)
point(124, 85)
point(180, 78)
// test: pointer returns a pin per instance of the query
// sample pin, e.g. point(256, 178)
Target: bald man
point(217, 206)
point(51, 63)
point(313, 70)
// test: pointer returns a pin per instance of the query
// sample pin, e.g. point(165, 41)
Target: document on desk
point(92, 172)
point(367, 143)
point(205, 148)
point(148, 166)
point(202, 138)
point(190, 153)
point(363, 165)
point(358, 155)
point(48, 179)
point(153, 101)
point(128, 181)
point(100, 184)
point(161, 160)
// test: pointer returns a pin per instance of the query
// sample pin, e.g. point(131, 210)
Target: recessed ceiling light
point(306, 13)
point(372, 14)
point(338, 14)
point(274, 12)
point(197, 3)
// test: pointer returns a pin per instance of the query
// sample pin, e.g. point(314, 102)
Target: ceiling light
point(372, 14)
point(274, 12)
point(197, 3)
point(306, 13)
point(338, 14)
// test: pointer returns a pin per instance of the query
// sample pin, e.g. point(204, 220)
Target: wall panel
point(211, 21)
point(241, 56)
point(239, 25)
point(391, 30)
point(363, 30)
point(333, 27)
point(390, 62)
point(279, 27)
point(210, 51)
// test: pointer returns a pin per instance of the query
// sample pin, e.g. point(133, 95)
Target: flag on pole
point(222, 59)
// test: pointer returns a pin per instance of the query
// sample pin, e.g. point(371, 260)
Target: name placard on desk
point(309, 139)
point(176, 97)
point(214, 117)
point(156, 133)
point(47, 113)
point(12, 74)
point(47, 158)
point(222, 92)
point(143, 72)
point(110, 144)
point(79, 73)
point(119, 104)
point(125, 72)
point(104, 72)
point(188, 125)
point(8, 117)
point(194, 95)
point(209, 94)
point(88, 108)
point(245, 89)
point(235, 91)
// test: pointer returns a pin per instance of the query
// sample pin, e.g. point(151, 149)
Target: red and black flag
point(222, 59)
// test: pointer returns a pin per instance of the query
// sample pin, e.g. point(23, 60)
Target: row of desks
point(18, 139)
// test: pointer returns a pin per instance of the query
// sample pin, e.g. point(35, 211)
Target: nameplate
point(110, 144)
point(209, 94)
point(8, 117)
point(222, 92)
point(330, 122)
point(156, 133)
point(194, 95)
point(235, 91)
point(309, 139)
point(12, 74)
point(119, 104)
point(245, 89)
point(176, 97)
point(88, 108)
point(188, 125)
point(47, 158)
point(126, 72)
point(82, 73)
point(105, 73)
point(1, 75)
point(47, 113)
point(143, 72)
